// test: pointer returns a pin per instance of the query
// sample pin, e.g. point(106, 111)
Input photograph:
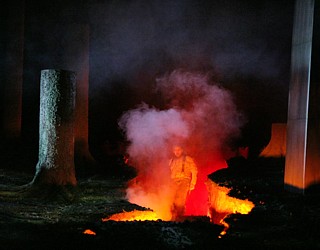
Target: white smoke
point(149, 130)
point(201, 115)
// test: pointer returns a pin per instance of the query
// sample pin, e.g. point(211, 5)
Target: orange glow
point(134, 215)
point(149, 187)
point(221, 204)
point(197, 202)
point(88, 231)
point(195, 113)
point(277, 144)
point(147, 192)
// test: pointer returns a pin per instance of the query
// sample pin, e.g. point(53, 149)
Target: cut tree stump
point(56, 132)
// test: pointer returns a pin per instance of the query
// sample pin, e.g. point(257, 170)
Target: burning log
point(56, 131)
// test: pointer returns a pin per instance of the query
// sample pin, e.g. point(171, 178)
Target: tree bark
point(78, 55)
point(76, 58)
point(12, 99)
point(56, 132)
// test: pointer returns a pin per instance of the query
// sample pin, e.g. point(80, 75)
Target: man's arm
point(194, 173)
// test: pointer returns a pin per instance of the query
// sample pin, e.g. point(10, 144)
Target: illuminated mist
point(201, 115)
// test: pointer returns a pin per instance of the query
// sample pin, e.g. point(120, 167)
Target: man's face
point(177, 150)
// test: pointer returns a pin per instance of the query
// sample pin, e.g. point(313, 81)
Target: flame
point(89, 231)
point(135, 215)
point(221, 205)
point(197, 202)
point(147, 192)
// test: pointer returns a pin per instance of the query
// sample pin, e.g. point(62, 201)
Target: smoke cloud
point(200, 115)
point(234, 37)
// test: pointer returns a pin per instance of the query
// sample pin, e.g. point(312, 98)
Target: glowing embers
point(221, 205)
point(134, 215)
point(89, 232)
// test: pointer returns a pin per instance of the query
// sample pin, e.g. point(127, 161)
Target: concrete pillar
point(302, 167)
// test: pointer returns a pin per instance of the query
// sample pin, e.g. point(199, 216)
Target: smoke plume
point(200, 115)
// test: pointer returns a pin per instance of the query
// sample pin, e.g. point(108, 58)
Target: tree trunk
point(12, 99)
point(76, 58)
point(78, 55)
point(56, 131)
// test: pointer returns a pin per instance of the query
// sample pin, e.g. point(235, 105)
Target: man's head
point(177, 151)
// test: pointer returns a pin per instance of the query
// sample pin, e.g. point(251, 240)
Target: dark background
point(245, 45)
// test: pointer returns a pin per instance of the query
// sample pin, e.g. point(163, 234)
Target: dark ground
point(56, 218)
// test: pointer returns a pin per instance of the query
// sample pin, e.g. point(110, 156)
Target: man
point(184, 178)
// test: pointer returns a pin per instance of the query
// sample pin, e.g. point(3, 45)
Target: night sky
point(245, 45)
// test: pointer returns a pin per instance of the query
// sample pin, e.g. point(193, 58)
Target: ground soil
point(56, 218)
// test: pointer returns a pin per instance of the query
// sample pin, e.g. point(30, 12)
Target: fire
point(134, 215)
point(89, 231)
point(222, 205)
point(197, 202)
